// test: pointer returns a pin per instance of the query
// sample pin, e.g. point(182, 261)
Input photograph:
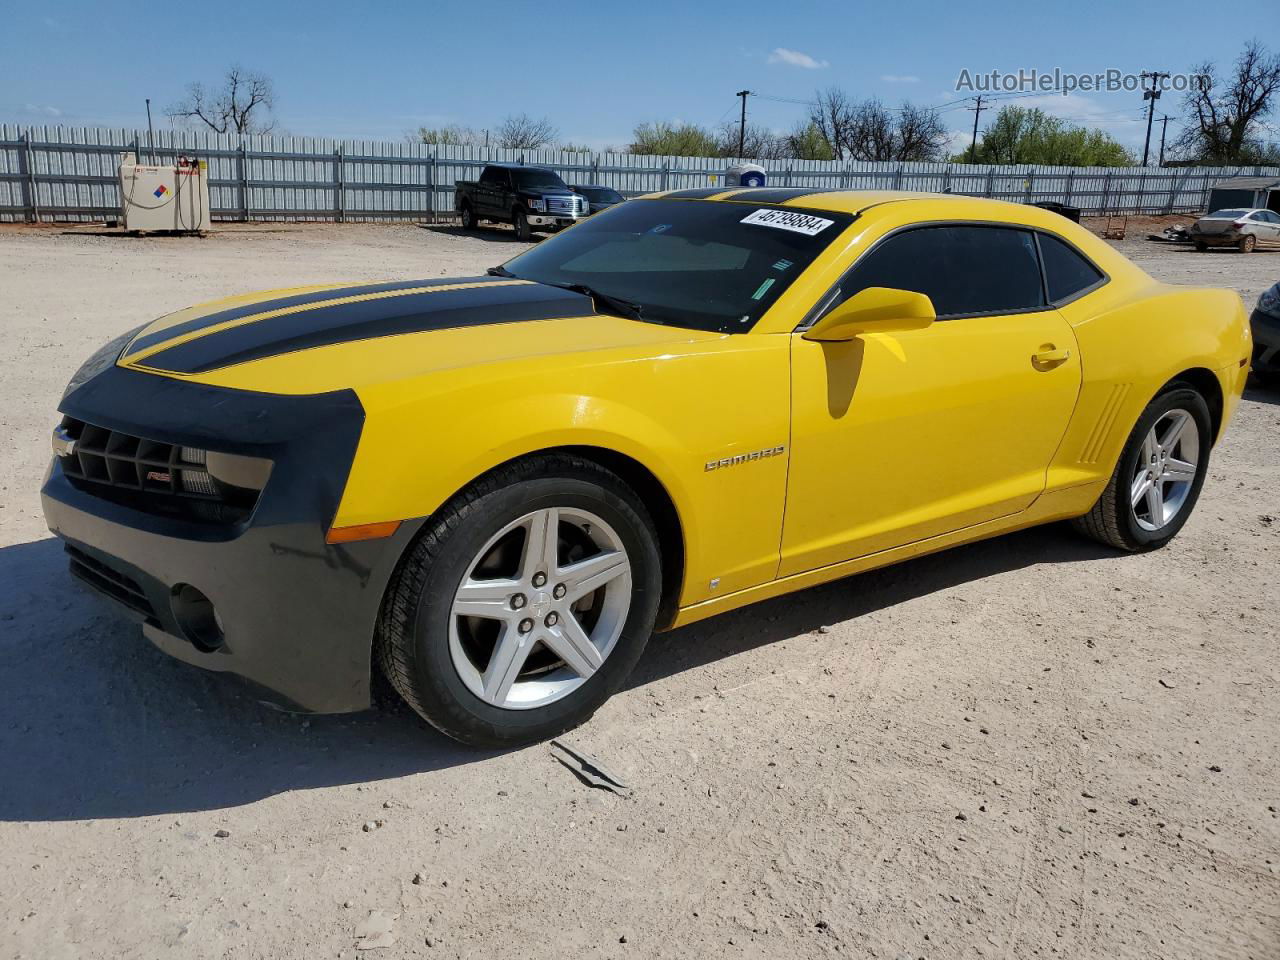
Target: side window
point(962, 269)
point(493, 176)
point(1066, 272)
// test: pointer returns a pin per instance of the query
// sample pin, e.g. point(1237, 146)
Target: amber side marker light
point(365, 531)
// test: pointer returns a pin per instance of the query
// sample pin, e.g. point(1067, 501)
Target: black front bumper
point(297, 614)
point(1266, 342)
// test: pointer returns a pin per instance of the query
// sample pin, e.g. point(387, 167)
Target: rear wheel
point(468, 217)
point(1201, 246)
point(1247, 243)
point(525, 604)
point(1158, 478)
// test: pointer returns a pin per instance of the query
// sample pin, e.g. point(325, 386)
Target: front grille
point(160, 478)
point(112, 582)
point(566, 205)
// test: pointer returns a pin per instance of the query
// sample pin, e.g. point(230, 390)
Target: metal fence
point(68, 174)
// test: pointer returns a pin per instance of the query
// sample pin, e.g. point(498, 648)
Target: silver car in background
point(1244, 229)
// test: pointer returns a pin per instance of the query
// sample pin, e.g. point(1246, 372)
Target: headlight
point(103, 359)
point(537, 204)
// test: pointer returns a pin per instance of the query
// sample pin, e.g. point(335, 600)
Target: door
point(1268, 229)
point(492, 192)
point(901, 437)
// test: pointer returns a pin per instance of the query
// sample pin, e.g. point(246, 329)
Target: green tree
point(805, 142)
point(674, 140)
point(1029, 135)
point(451, 135)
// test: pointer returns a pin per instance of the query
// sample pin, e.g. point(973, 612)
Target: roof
point(1248, 183)
point(845, 201)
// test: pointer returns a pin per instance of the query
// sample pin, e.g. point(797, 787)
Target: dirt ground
point(1031, 747)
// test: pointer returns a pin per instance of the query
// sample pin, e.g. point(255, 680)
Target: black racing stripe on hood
point(775, 194)
point(281, 303)
point(368, 319)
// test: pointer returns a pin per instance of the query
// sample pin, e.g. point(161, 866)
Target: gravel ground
point(1030, 747)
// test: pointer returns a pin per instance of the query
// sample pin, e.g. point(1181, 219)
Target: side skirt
point(1053, 505)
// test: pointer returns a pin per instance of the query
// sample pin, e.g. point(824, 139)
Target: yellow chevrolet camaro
point(495, 488)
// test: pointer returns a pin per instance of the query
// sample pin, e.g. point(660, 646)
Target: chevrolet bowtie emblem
point(64, 445)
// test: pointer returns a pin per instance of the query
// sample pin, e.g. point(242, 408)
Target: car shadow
point(761, 624)
point(96, 723)
point(1260, 392)
point(489, 234)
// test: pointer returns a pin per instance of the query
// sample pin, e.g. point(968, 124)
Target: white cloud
point(899, 78)
point(42, 110)
point(795, 58)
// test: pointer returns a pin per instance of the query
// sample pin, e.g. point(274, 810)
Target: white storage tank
point(168, 198)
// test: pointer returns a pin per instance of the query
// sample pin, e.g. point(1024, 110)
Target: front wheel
point(525, 603)
point(520, 221)
point(1158, 478)
point(1201, 246)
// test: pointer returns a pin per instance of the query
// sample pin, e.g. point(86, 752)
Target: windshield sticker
point(764, 288)
point(660, 228)
point(791, 220)
point(782, 265)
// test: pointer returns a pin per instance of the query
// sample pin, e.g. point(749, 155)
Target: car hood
point(309, 340)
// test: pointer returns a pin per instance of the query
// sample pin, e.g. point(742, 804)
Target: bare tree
point(1225, 120)
point(523, 132)
point(831, 112)
point(921, 133)
point(758, 143)
point(242, 103)
point(868, 130)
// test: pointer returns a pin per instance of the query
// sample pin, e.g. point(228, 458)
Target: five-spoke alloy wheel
point(540, 628)
point(524, 603)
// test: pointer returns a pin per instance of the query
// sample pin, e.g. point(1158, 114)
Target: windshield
point(537, 178)
point(1227, 214)
point(691, 263)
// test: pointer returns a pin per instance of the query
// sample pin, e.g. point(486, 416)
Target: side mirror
point(874, 310)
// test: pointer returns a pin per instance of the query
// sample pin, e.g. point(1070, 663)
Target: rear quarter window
point(1067, 273)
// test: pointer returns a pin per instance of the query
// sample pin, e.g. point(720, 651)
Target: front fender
point(424, 441)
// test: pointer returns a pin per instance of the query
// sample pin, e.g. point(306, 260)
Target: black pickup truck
point(528, 198)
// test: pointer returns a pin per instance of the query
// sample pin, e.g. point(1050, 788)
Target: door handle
point(1049, 356)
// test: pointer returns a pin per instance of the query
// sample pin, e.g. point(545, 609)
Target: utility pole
point(151, 137)
point(977, 109)
point(742, 124)
point(1164, 128)
point(1151, 96)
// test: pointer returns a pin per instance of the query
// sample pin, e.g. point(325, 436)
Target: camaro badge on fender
point(744, 457)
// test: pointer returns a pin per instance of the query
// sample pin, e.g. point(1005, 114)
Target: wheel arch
point(1206, 382)
point(652, 492)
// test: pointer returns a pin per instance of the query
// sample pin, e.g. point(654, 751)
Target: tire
point(1247, 243)
point(442, 662)
point(468, 217)
point(1201, 246)
point(1115, 519)
point(520, 221)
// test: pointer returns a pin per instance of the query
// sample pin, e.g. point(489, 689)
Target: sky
point(380, 70)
